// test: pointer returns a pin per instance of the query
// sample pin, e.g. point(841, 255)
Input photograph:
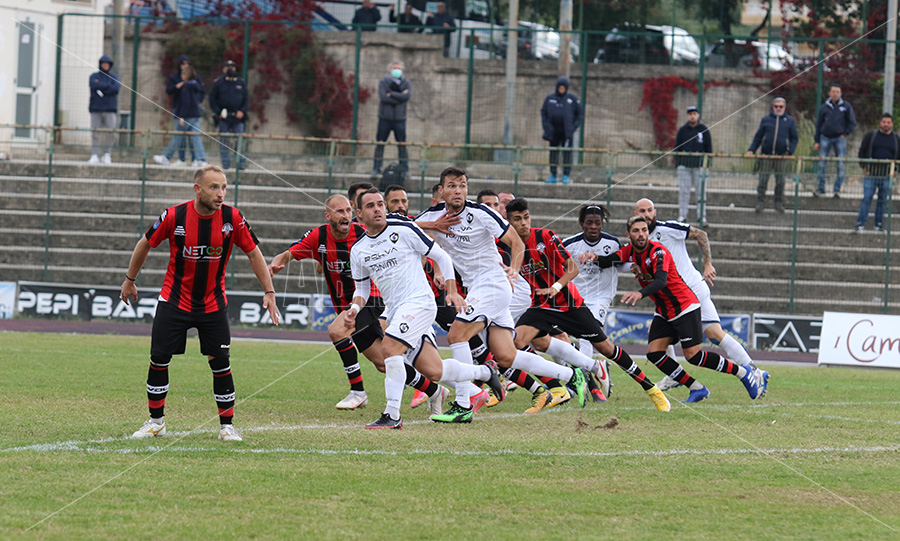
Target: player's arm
point(660, 278)
point(602, 261)
point(279, 261)
point(571, 272)
point(442, 224)
point(709, 272)
point(138, 257)
point(360, 297)
point(444, 265)
point(258, 263)
point(516, 251)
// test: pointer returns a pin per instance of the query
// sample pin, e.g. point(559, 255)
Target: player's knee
point(219, 363)
point(160, 361)
point(337, 331)
point(606, 348)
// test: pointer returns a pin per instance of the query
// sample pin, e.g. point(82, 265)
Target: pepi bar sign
point(860, 340)
point(299, 311)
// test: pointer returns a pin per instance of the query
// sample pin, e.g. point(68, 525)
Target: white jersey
point(393, 261)
point(673, 235)
point(597, 286)
point(472, 247)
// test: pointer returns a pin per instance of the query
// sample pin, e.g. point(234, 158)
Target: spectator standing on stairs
point(776, 136)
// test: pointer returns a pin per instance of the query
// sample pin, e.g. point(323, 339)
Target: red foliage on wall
point(659, 94)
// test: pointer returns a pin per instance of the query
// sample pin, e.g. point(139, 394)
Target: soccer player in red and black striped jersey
point(556, 303)
point(677, 318)
point(330, 245)
point(201, 235)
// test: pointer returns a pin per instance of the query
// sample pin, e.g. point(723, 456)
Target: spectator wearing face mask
point(394, 92)
point(228, 101)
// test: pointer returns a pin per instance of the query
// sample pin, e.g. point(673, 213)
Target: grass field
point(816, 459)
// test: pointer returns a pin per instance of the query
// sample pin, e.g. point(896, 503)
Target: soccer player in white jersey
point(597, 286)
point(390, 254)
point(472, 245)
point(673, 235)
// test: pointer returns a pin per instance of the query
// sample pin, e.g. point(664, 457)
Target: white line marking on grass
point(856, 420)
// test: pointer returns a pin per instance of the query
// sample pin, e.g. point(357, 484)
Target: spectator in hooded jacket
point(692, 137)
point(880, 144)
point(393, 91)
point(228, 101)
point(188, 101)
point(835, 122)
point(560, 117)
point(104, 109)
point(776, 136)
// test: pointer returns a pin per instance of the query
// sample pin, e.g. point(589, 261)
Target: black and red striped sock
point(714, 361)
point(347, 351)
point(522, 379)
point(158, 385)
point(479, 349)
point(671, 368)
point(626, 363)
point(418, 381)
point(223, 388)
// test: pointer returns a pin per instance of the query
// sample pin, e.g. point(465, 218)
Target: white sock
point(564, 351)
point(394, 381)
point(464, 389)
point(670, 351)
point(742, 371)
point(735, 351)
point(539, 366)
point(456, 372)
point(585, 347)
point(696, 385)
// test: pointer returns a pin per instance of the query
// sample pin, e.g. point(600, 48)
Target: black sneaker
point(818, 193)
point(385, 421)
point(494, 381)
point(878, 228)
point(837, 195)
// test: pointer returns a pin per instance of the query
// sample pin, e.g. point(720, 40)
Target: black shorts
point(445, 317)
point(170, 326)
point(686, 330)
point(579, 323)
point(368, 324)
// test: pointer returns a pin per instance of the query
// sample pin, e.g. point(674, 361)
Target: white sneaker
point(356, 399)
point(601, 373)
point(436, 402)
point(151, 428)
point(94, 159)
point(177, 163)
point(667, 383)
point(228, 433)
point(198, 164)
point(161, 159)
point(106, 159)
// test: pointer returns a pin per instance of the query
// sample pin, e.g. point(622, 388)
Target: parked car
point(537, 42)
point(635, 44)
point(739, 53)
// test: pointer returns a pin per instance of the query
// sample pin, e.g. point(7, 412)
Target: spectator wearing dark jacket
point(367, 16)
point(835, 122)
point(393, 92)
point(442, 23)
point(692, 137)
point(407, 22)
point(560, 117)
point(776, 136)
point(880, 144)
point(104, 109)
point(228, 100)
point(171, 90)
point(188, 97)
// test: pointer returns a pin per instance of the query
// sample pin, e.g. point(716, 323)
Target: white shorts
point(708, 312)
point(411, 354)
point(489, 302)
point(410, 321)
point(599, 309)
point(521, 299)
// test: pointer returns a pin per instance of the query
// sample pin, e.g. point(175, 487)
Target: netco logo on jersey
point(202, 253)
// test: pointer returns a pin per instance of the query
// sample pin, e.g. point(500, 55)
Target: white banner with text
point(860, 340)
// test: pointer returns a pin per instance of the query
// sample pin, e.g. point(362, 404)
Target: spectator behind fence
point(104, 109)
point(228, 101)
point(407, 22)
point(692, 137)
point(173, 80)
point(441, 23)
point(560, 117)
point(393, 91)
point(776, 136)
point(880, 144)
point(835, 122)
point(367, 16)
point(189, 94)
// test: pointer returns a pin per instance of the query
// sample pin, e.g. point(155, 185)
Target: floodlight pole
point(565, 35)
point(890, 58)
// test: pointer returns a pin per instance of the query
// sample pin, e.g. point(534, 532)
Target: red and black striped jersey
point(334, 256)
point(200, 247)
point(675, 297)
point(543, 264)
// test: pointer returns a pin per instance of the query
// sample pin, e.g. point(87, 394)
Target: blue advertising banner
point(634, 327)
